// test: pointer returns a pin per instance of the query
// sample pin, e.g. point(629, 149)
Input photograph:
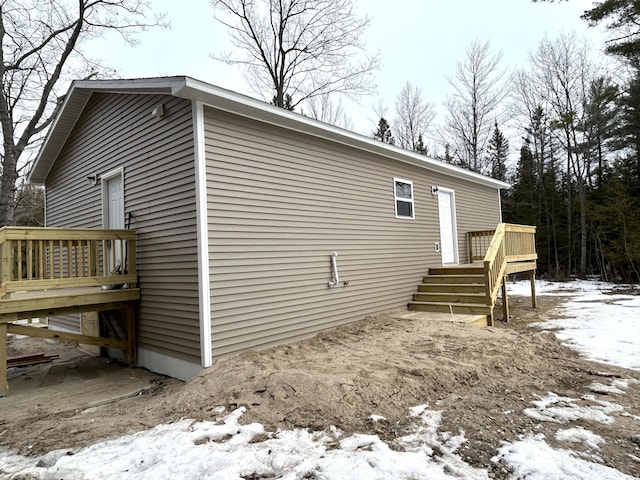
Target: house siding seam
point(280, 203)
point(117, 130)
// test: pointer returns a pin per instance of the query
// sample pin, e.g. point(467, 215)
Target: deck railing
point(46, 258)
point(478, 243)
point(509, 244)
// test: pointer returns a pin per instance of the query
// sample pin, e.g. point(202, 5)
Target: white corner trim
point(204, 295)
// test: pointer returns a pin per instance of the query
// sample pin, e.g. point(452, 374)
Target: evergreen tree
point(287, 102)
point(599, 117)
point(627, 134)
point(421, 148)
point(522, 200)
point(448, 158)
point(383, 133)
point(624, 19)
point(498, 152)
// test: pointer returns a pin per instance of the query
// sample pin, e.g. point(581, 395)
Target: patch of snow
point(603, 327)
point(417, 411)
point(554, 408)
point(598, 387)
point(376, 418)
point(226, 450)
point(580, 435)
point(533, 459)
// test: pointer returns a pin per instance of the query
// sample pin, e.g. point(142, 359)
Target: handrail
point(34, 258)
point(495, 264)
point(509, 244)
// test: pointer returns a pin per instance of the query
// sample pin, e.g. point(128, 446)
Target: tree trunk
point(8, 187)
point(582, 197)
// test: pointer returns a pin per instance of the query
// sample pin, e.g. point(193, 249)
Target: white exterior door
point(113, 214)
point(448, 228)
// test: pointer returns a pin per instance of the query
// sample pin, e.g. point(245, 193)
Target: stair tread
point(454, 294)
point(465, 304)
point(455, 275)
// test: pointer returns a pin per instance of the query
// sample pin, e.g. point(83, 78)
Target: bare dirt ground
point(481, 378)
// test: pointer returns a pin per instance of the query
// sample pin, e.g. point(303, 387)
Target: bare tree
point(301, 48)
point(323, 108)
point(41, 42)
point(563, 69)
point(479, 89)
point(413, 119)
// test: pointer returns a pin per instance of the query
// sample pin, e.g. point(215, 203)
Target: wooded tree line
point(577, 175)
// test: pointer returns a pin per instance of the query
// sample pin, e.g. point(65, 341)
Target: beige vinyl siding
point(280, 203)
point(159, 190)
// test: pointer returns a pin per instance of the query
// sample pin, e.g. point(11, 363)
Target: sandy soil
point(382, 365)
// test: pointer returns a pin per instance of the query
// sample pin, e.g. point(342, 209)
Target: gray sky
point(420, 41)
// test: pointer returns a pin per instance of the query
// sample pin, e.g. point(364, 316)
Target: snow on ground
point(606, 328)
point(554, 408)
point(533, 459)
point(602, 326)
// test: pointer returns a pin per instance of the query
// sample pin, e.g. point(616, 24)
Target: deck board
point(30, 304)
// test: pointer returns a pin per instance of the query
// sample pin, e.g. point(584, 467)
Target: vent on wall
point(158, 111)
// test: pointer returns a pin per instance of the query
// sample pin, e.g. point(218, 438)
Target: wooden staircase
point(473, 288)
point(456, 290)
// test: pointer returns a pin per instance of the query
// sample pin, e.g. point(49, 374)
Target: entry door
point(448, 228)
point(113, 215)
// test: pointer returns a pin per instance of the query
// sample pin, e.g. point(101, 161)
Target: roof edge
point(216, 97)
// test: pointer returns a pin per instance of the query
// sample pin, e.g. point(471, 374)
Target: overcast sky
point(420, 41)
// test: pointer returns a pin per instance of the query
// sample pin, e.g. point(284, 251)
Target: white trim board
point(204, 290)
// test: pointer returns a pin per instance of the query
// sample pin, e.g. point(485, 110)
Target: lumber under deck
point(42, 303)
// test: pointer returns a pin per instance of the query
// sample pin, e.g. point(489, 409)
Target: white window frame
point(397, 199)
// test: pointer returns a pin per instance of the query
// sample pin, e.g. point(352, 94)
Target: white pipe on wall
point(334, 270)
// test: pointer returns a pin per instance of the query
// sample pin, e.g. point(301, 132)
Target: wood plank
point(4, 385)
point(65, 336)
point(505, 300)
point(90, 325)
point(5, 268)
point(30, 360)
point(64, 300)
point(60, 233)
point(132, 351)
point(59, 283)
point(534, 300)
point(520, 267)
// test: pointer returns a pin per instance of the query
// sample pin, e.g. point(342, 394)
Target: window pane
point(404, 209)
point(403, 190)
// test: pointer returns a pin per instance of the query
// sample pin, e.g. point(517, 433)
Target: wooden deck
point(473, 288)
point(54, 271)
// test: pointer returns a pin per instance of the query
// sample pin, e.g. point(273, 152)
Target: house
point(254, 225)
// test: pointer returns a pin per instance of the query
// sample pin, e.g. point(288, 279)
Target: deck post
point(4, 385)
point(505, 300)
point(132, 352)
point(534, 300)
point(5, 266)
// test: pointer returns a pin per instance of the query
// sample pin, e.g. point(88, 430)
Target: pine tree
point(383, 133)
point(288, 102)
point(498, 153)
point(522, 200)
point(421, 148)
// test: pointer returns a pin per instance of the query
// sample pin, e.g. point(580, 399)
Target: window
point(403, 193)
